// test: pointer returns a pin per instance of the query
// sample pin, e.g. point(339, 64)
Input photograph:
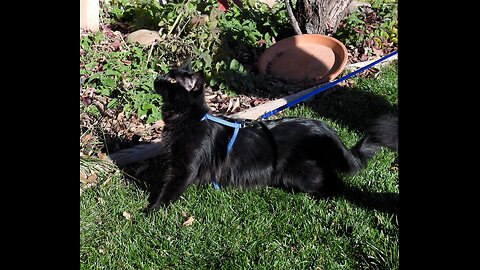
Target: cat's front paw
point(157, 204)
point(152, 207)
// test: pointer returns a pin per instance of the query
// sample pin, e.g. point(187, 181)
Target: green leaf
point(252, 38)
point(104, 91)
point(95, 76)
point(207, 58)
point(267, 37)
point(91, 65)
point(98, 37)
point(234, 64)
point(107, 81)
point(127, 109)
point(141, 112)
point(150, 119)
point(112, 72)
point(213, 81)
point(146, 106)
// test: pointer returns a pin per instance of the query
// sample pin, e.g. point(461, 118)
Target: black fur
point(294, 153)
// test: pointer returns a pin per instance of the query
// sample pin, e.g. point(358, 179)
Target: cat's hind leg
point(307, 176)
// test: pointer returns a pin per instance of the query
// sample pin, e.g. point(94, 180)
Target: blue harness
point(235, 125)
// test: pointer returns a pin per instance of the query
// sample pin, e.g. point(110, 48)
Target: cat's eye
point(172, 80)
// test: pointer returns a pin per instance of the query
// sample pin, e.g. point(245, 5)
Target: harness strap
point(224, 122)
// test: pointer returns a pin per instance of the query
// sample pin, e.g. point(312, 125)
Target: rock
point(143, 36)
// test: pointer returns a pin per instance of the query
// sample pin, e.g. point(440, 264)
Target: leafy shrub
point(120, 74)
point(223, 45)
point(371, 27)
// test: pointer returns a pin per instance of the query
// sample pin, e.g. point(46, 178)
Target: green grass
point(262, 228)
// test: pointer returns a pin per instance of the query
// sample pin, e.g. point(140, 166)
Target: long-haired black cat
point(294, 153)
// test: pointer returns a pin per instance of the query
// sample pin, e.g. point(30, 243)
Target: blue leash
point(325, 87)
point(238, 126)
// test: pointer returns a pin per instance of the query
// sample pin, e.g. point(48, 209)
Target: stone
point(143, 36)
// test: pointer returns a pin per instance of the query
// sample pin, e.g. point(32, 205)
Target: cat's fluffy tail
point(383, 133)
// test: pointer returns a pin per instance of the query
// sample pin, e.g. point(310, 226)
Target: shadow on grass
point(351, 107)
point(143, 174)
point(146, 175)
point(386, 202)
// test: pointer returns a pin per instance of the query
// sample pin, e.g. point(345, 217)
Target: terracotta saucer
point(304, 58)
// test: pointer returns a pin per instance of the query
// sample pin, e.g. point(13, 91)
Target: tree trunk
point(320, 16)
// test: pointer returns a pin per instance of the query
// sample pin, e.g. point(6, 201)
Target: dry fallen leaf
point(189, 221)
point(87, 179)
point(127, 215)
point(158, 124)
point(102, 156)
point(92, 177)
point(83, 176)
point(86, 138)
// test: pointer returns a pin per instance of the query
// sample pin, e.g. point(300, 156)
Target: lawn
point(259, 228)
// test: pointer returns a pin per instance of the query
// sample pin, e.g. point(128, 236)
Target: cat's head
point(180, 84)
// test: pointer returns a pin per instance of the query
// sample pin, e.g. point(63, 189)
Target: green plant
point(245, 33)
point(138, 13)
point(120, 74)
point(389, 12)
point(371, 27)
point(219, 44)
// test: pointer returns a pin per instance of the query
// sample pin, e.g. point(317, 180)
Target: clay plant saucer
point(304, 58)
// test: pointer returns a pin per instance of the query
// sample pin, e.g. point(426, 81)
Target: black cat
point(294, 153)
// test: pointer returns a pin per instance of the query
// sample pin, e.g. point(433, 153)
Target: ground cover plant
point(261, 228)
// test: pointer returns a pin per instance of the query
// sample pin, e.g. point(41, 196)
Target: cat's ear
point(186, 65)
point(193, 83)
point(189, 83)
